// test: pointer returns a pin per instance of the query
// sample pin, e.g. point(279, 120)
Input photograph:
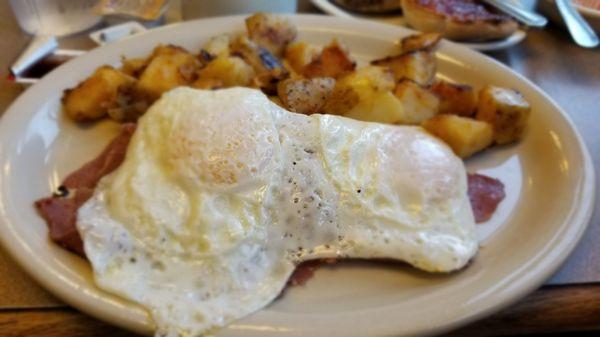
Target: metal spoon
point(527, 17)
point(581, 32)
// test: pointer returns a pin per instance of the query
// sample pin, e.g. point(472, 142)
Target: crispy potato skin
point(418, 66)
point(425, 41)
point(419, 103)
point(466, 136)
point(299, 54)
point(456, 99)
point(169, 67)
point(229, 71)
point(271, 32)
point(506, 110)
point(92, 98)
point(305, 96)
point(134, 66)
point(334, 61)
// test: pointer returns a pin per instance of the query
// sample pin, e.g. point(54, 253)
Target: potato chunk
point(271, 31)
point(365, 95)
point(134, 66)
point(299, 54)
point(357, 86)
point(506, 110)
point(456, 99)
point(217, 46)
point(419, 103)
point(418, 66)
point(334, 61)
point(305, 96)
point(465, 136)
point(229, 71)
point(169, 67)
point(425, 41)
point(269, 70)
point(91, 99)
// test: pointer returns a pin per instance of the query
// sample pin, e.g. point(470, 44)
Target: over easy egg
point(223, 192)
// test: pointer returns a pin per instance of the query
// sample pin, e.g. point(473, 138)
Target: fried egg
point(222, 193)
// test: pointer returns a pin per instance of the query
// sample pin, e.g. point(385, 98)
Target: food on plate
point(94, 97)
point(456, 99)
point(419, 104)
point(203, 228)
point(419, 66)
point(465, 136)
point(271, 32)
point(425, 41)
point(461, 20)
point(370, 6)
point(507, 111)
point(398, 89)
point(333, 61)
point(485, 193)
point(307, 96)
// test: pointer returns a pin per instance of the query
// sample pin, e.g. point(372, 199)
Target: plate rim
point(519, 35)
point(581, 215)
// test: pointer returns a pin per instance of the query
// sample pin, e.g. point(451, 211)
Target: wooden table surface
point(570, 302)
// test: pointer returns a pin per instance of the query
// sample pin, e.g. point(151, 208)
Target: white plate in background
point(397, 19)
point(548, 175)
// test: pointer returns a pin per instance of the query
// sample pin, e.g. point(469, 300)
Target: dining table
point(568, 302)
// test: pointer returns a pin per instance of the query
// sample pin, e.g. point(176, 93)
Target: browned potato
point(299, 54)
point(229, 71)
point(269, 70)
point(271, 31)
point(418, 66)
point(217, 46)
point(134, 66)
point(305, 96)
point(456, 99)
point(419, 103)
point(169, 67)
point(91, 99)
point(465, 136)
point(424, 41)
point(506, 110)
point(334, 61)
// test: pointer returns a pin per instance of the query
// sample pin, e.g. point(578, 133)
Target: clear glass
point(54, 17)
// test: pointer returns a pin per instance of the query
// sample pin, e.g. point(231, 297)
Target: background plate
point(397, 19)
point(548, 176)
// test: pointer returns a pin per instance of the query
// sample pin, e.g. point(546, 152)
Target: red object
point(60, 211)
point(485, 194)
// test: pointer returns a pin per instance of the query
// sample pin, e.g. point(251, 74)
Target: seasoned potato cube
point(418, 66)
point(305, 96)
point(358, 86)
point(334, 61)
point(425, 41)
point(168, 68)
point(419, 103)
point(299, 54)
point(91, 99)
point(506, 110)
point(378, 106)
point(217, 46)
point(456, 99)
point(465, 136)
point(269, 70)
point(361, 96)
point(229, 71)
point(271, 31)
point(134, 66)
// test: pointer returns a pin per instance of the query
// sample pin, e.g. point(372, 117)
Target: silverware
point(581, 32)
point(525, 16)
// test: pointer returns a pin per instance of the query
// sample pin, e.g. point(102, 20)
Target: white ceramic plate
point(548, 176)
point(397, 19)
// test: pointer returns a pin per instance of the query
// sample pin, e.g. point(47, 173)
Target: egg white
point(223, 192)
